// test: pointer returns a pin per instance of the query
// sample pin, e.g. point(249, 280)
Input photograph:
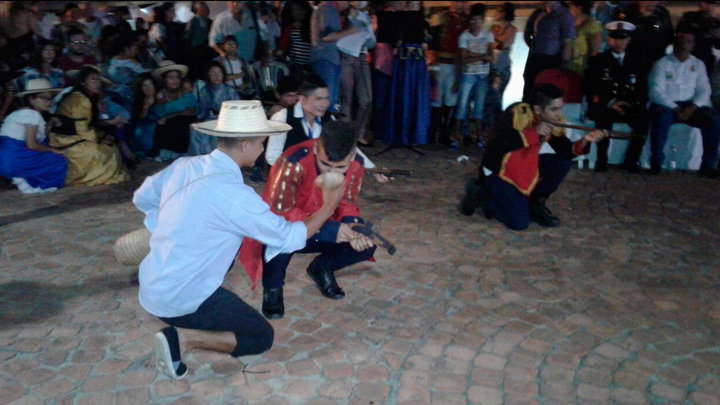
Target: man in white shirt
point(680, 93)
point(307, 119)
point(240, 22)
point(198, 211)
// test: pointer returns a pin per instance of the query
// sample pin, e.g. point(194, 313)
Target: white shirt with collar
point(276, 144)
point(198, 210)
point(671, 80)
point(223, 25)
point(620, 57)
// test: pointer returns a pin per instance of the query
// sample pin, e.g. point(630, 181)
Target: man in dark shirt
point(549, 33)
point(653, 31)
point(707, 33)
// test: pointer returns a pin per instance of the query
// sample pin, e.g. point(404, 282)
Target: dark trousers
point(174, 135)
point(224, 311)
point(703, 118)
point(510, 206)
point(535, 64)
point(333, 256)
point(639, 121)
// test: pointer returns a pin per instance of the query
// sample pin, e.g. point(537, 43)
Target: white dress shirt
point(276, 144)
point(198, 210)
point(223, 25)
point(671, 80)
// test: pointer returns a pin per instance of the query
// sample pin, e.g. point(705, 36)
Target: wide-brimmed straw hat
point(37, 86)
point(73, 74)
point(168, 66)
point(241, 119)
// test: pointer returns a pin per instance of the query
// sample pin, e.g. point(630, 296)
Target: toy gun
point(367, 230)
point(389, 172)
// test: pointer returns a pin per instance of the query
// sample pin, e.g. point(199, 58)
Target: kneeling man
point(198, 210)
point(525, 161)
point(291, 192)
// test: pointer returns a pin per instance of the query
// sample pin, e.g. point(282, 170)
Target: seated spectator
point(287, 95)
point(175, 108)
point(70, 23)
point(114, 120)
point(93, 158)
point(210, 100)
point(123, 70)
point(145, 56)
point(680, 93)
point(616, 91)
point(25, 155)
point(144, 118)
point(268, 73)
point(526, 160)
point(238, 72)
point(588, 36)
point(44, 65)
point(76, 57)
point(105, 48)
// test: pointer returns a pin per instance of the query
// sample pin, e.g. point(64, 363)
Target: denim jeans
point(330, 74)
point(703, 118)
point(477, 87)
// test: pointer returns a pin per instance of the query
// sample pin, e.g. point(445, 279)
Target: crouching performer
point(291, 192)
point(526, 160)
point(198, 210)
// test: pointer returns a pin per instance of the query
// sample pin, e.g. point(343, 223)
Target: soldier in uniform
point(653, 31)
point(291, 192)
point(616, 91)
point(706, 29)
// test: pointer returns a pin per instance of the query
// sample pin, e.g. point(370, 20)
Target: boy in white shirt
point(475, 57)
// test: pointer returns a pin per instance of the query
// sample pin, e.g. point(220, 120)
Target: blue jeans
point(381, 95)
point(662, 119)
point(510, 206)
point(331, 76)
point(333, 256)
point(476, 86)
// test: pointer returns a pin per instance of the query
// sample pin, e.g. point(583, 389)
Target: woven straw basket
point(132, 248)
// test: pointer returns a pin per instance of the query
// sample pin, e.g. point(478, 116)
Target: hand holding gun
point(367, 230)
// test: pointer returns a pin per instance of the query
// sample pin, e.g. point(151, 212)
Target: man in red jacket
point(292, 193)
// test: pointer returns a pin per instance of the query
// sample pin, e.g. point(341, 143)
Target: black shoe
point(472, 198)
point(541, 214)
point(631, 167)
point(709, 173)
point(601, 167)
point(325, 281)
point(654, 170)
point(273, 306)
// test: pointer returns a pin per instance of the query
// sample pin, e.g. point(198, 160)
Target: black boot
point(273, 306)
point(602, 156)
point(472, 198)
point(540, 213)
point(325, 281)
point(632, 156)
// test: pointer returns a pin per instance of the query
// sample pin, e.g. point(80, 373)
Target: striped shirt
point(299, 49)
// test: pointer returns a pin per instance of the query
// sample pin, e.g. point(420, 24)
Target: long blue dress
point(41, 170)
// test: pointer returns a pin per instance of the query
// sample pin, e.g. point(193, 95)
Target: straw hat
point(132, 248)
point(37, 86)
point(167, 66)
point(73, 74)
point(241, 119)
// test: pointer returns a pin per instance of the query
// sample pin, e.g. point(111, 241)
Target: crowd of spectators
point(401, 73)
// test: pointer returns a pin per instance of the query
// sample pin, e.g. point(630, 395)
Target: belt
point(407, 52)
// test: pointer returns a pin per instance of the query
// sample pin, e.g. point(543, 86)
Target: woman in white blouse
point(25, 156)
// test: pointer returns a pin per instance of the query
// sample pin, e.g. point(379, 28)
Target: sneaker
point(167, 349)
point(454, 145)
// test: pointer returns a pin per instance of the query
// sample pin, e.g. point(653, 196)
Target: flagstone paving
point(618, 305)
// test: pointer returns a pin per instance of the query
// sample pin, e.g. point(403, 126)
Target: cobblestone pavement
point(618, 305)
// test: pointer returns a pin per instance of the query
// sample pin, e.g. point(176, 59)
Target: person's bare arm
point(335, 36)
point(31, 132)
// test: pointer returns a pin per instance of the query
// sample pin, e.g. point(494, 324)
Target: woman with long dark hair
point(123, 70)
point(144, 119)
point(296, 41)
point(43, 65)
point(93, 158)
point(176, 109)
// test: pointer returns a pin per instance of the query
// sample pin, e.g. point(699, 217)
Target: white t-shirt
point(232, 67)
point(476, 44)
point(14, 125)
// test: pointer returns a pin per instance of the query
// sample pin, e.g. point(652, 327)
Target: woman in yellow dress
point(93, 157)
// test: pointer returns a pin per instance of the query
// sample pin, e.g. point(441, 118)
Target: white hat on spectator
point(168, 66)
point(241, 119)
point(619, 29)
point(37, 86)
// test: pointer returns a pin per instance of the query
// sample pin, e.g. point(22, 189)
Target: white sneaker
point(26, 188)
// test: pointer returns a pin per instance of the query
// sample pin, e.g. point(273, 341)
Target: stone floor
point(618, 305)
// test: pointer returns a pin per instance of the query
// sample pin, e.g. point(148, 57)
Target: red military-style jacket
point(291, 192)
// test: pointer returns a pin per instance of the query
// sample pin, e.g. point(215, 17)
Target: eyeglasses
point(476, 20)
point(48, 51)
point(78, 42)
point(94, 80)
point(230, 46)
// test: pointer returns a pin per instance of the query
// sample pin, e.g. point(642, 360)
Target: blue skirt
point(408, 115)
point(39, 169)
